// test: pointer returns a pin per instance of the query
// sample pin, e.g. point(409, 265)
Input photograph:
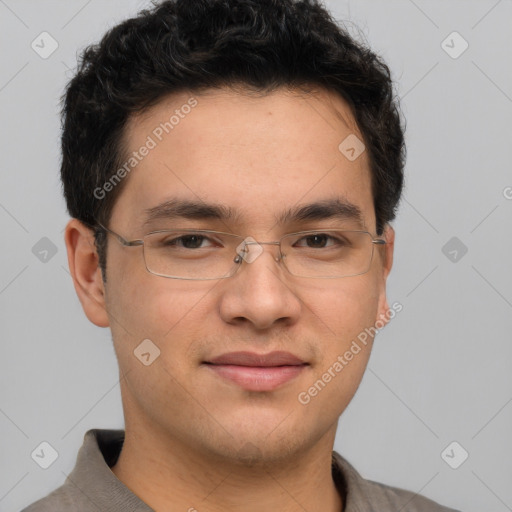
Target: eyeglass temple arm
point(122, 241)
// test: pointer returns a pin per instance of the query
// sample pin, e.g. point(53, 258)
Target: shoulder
point(57, 501)
point(388, 498)
point(366, 495)
point(90, 484)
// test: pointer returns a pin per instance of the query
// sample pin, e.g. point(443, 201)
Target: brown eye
point(316, 241)
point(193, 241)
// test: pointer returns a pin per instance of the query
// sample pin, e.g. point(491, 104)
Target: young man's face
point(260, 157)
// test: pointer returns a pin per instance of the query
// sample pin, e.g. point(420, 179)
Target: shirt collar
point(93, 477)
point(95, 480)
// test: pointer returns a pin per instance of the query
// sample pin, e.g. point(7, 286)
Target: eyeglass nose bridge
point(243, 253)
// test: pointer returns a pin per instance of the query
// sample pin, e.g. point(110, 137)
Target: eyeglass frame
point(238, 259)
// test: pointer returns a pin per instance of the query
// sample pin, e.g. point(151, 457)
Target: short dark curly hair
point(195, 45)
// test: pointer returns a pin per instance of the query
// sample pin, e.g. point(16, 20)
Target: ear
point(84, 267)
point(386, 264)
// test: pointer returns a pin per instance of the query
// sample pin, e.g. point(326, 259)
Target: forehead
point(259, 155)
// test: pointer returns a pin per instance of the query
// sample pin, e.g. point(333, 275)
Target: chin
point(261, 442)
point(259, 453)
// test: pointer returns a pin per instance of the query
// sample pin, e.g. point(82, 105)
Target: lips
point(253, 359)
point(257, 372)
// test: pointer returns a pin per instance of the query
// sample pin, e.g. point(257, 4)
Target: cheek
point(176, 316)
point(344, 308)
point(343, 315)
point(171, 315)
point(149, 306)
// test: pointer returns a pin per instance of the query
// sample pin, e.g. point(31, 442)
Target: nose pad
point(238, 259)
point(249, 250)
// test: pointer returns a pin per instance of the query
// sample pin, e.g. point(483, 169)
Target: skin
point(194, 440)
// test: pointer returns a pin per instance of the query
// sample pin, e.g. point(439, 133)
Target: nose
point(260, 293)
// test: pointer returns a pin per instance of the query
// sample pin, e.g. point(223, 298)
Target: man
point(232, 168)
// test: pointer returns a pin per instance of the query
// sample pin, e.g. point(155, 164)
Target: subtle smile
point(257, 372)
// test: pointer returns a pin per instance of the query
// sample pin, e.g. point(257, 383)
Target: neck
point(167, 475)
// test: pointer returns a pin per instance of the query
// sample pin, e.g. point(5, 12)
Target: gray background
point(440, 372)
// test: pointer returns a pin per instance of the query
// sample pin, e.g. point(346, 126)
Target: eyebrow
point(175, 208)
point(323, 210)
point(186, 209)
